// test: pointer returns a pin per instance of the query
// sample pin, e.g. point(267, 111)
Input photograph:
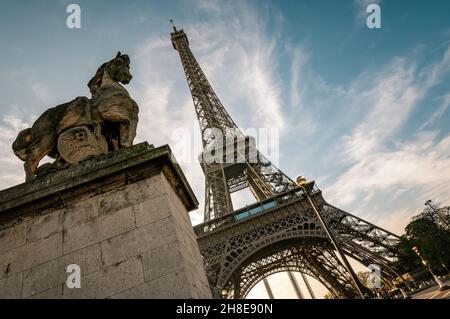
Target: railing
point(258, 208)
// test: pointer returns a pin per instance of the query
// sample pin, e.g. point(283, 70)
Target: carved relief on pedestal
point(80, 143)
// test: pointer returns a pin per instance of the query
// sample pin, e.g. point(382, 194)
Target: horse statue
point(83, 128)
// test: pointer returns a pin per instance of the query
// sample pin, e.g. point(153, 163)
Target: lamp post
point(427, 265)
point(301, 181)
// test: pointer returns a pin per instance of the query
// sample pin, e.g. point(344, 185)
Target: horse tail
point(21, 143)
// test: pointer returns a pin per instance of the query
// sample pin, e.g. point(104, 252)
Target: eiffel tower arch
point(281, 232)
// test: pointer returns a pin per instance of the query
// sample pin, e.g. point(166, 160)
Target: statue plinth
point(122, 217)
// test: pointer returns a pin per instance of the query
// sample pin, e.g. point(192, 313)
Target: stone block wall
point(135, 241)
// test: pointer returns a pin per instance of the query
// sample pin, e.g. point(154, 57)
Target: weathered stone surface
point(171, 286)
point(10, 287)
point(44, 225)
point(120, 218)
point(138, 241)
point(177, 204)
point(29, 255)
point(81, 213)
point(152, 210)
point(59, 188)
point(13, 237)
point(98, 230)
point(109, 281)
point(113, 201)
point(147, 189)
point(133, 194)
point(162, 261)
point(53, 273)
point(52, 293)
point(200, 287)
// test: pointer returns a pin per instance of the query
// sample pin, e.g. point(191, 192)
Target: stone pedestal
point(122, 217)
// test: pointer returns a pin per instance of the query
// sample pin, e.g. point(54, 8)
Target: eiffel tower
point(282, 231)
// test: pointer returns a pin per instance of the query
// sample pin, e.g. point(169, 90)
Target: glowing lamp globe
point(301, 181)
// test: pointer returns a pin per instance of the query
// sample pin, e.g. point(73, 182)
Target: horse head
point(117, 69)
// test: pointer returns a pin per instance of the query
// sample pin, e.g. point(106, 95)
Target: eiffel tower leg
point(237, 286)
point(208, 201)
point(327, 269)
point(268, 289)
point(218, 199)
point(295, 285)
point(308, 286)
point(334, 241)
point(331, 268)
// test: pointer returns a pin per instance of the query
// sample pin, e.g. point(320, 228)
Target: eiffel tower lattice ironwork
point(280, 232)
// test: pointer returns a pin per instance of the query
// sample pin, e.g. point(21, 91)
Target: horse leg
point(115, 144)
point(124, 134)
point(36, 151)
point(127, 130)
point(29, 171)
point(30, 166)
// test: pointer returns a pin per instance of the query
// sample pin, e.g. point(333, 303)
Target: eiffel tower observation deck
point(290, 228)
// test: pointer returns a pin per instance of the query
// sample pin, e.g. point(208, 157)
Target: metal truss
point(281, 231)
point(307, 259)
point(210, 112)
point(229, 244)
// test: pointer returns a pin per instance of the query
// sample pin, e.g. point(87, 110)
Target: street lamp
point(301, 181)
point(427, 265)
point(224, 293)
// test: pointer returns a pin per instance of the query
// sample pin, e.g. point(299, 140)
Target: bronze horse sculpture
point(79, 129)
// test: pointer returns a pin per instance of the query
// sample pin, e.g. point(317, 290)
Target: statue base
point(122, 218)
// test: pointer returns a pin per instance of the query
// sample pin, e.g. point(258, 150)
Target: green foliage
point(433, 239)
point(328, 295)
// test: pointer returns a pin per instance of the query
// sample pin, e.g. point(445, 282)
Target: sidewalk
point(433, 293)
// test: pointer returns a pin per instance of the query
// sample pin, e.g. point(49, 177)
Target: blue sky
point(363, 112)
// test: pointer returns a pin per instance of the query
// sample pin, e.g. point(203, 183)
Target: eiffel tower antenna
point(173, 25)
point(283, 230)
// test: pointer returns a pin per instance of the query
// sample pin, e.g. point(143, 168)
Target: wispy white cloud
point(299, 59)
point(240, 59)
point(389, 97)
point(422, 164)
point(10, 166)
point(378, 161)
point(438, 113)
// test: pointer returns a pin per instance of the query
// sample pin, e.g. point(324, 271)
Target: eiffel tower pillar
point(268, 288)
point(308, 286)
point(295, 285)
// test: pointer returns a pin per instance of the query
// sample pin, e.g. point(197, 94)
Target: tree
point(426, 232)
